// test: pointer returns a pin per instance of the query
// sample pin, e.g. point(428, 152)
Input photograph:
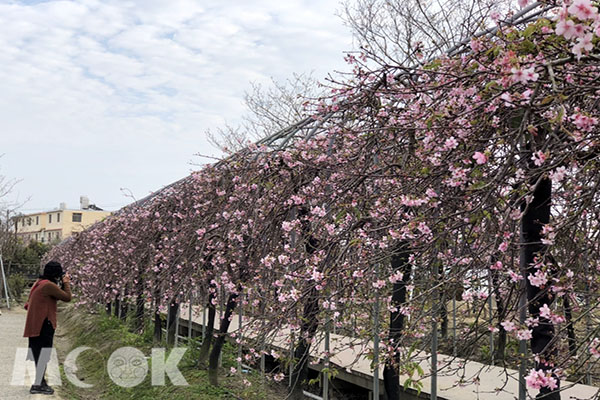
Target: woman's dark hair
point(53, 272)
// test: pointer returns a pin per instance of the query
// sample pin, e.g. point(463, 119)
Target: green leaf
point(527, 47)
point(530, 30)
point(547, 100)
point(435, 64)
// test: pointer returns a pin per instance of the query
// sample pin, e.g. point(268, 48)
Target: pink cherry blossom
point(514, 277)
point(475, 45)
point(508, 326)
point(524, 334)
point(538, 379)
point(497, 266)
point(566, 28)
point(538, 279)
point(524, 75)
point(583, 9)
point(558, 175)
point(584, 122)
point(450, 143)
point(545, 311)
point(480, 158)
point(595, 347)
point(538, 158)
point(583, 45)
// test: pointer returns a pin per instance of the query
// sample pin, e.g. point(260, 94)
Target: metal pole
point(522, 316)
point(588, 372)
point(588, 319)
point(325, 373)
point(4, 280)
point(376, 341)
point(262, 362)
point(168, 318)
point(434, 336)
point(190, 324)
point(490, 305)
point(292, 341)
point(203, 323)
point(177, 316)
point(239, 357)
point(454, 325)
point(522, 345)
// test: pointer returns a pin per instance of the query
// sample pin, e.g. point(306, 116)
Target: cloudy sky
point(96, 96)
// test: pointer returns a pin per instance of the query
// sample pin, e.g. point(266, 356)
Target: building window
point(49, 218)
point(76, 217)
point(58, 217)
point(37, 219)
point(28, 221)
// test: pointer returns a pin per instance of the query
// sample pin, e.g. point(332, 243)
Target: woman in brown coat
point(41, 319)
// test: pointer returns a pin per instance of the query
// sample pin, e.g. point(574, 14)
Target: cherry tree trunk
point(537, 214)
point(139, 312)
point(210, 324)
point(500, 348)
point(301, 351)
point(124, 309)
point(173, 308)
point(157, 323)
point(571, 339)
point(391, 371)
point(308, 329)
point(117, 307)
point(213, 360)
point(139, 304)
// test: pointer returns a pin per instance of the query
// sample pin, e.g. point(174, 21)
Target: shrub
point(16, 285)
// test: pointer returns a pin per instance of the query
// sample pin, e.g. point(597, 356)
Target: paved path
point(12, 324)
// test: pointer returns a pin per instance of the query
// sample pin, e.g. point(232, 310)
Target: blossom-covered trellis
point(472, 175)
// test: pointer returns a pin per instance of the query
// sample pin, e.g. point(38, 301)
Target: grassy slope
point(106, 334)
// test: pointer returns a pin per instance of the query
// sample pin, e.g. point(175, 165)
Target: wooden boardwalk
point(457, 379)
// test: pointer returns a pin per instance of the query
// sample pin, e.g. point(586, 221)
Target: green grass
point(106, 334)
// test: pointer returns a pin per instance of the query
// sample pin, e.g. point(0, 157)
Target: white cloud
point(98, 95)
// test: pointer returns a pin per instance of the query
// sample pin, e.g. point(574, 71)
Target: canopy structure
point(469, 178)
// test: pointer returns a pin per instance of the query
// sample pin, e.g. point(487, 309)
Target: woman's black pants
point(41, 358)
